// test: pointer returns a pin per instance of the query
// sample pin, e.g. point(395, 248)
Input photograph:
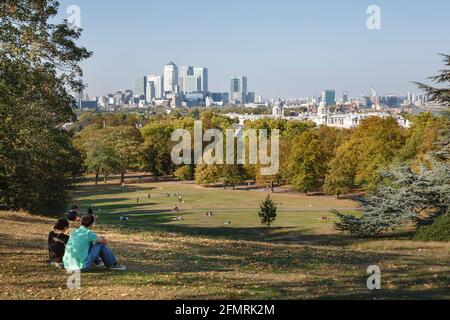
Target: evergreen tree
point(268, 212)
point(404, 197)
point(439, 95)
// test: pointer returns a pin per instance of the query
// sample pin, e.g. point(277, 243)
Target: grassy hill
point(202, 258)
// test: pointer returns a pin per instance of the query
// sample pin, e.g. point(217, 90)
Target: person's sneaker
point(58, 265)
point(99, 264)
point(118, 267)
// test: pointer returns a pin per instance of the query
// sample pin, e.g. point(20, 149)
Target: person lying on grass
point(85, 247)
point(57, 240)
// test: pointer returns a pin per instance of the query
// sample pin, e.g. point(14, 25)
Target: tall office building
point(193, 79)
point(154, 88)
point(186, 71)
point(190, 84)
point(139, 89)
point(329, 97)
point(238, 90)
point(170, 78)
point(203, 74)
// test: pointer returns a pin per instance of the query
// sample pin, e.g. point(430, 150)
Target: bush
point(438, 231)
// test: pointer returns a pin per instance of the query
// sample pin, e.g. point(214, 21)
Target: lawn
point(203, 258)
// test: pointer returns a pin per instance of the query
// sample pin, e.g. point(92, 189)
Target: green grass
point(201, 258)
point(298, 214)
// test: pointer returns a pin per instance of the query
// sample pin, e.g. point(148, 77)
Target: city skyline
point(287, 49)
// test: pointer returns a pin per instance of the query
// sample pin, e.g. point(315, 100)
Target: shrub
point(438, 231)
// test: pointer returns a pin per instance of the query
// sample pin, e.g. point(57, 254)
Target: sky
point(286, 48)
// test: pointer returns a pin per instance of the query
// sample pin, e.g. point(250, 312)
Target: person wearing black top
point(57, 240)
point(73, 214)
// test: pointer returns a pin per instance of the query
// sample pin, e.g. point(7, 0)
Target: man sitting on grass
point(57, 240)
point(85, 247)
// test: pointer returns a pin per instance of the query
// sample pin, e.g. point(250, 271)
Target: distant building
point(190, 84)
point(278, 110)
point(219, 97)
point(194, 100)
point(140, 87)
point(329, 97)
point(202, 73)
point(238, 90)
point(154, 88)
point(170, 78)
point(88, 105)
point(176, 101)
point(186, 71)
point(345, 97)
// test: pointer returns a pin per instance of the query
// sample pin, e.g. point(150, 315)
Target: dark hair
point(87, 221)
point(75, 208)
point(61, 224)
point(90, 211)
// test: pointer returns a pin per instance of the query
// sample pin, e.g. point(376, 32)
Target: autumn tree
point(39, 65)
point(308, 163)
point(126, 145)
point(207, 174)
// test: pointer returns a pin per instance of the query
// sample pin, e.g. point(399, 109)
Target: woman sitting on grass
point(57, 240)
point(85, 247)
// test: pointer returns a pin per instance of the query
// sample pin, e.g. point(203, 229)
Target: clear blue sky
point(286, 48)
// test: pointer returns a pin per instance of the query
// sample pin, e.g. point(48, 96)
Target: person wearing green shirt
point(85, 247)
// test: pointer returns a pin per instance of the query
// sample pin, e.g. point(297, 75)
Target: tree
point(99, 159)
point(308, 163)
point(372, 147)
point(39, 63)
point(207, 174)
point(157, 148)
point(439, 95)
point(404, 197)
point(233, 174)
point(184, 173)
point(268, 212)
point(340, 177)
point(126, 143)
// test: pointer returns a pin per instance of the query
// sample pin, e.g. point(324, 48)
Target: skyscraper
point(186, 71)
point(189, 78)
point(189, 81)
point(203, 74)
point(170, 78)
point(190, 84)
point(140, 85)
point(238, 90)
point(154, 88)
